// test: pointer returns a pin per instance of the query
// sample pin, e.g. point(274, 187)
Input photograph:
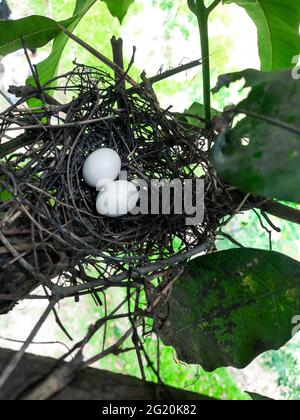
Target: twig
point(99, 56)
point(172, 72)
point(231, 239)
point(11, 367)
point(62, 292)
point(281, 211)
point(65, 125)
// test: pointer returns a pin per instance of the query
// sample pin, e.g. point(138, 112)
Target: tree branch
point(90, 384)
point(281, 211)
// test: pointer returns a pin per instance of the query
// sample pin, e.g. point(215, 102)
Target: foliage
point(37, 31)
point(261, 154)
point(232, 306)
point(47, 69)
point(286, 365)
point(118, 8)
point(278, 30)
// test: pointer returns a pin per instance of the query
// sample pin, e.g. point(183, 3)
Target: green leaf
point(36, 32)
point(118, 8)
point(47, 69)
point(197, 110)
point(5, 196)
point(262, 153)
point(277, 23)
point(228, 307)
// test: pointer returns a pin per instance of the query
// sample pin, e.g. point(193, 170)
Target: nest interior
point(41, 177)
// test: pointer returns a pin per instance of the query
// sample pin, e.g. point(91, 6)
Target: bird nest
point(41, 182)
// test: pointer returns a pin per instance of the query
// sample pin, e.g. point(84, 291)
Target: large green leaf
point(229, 307)
point(262, 153)
point(277, 23)
point(36, 32)
point(48, 68)
point(118, 8)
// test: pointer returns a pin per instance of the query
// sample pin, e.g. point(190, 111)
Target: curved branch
point(235, 197)
point(281, 211)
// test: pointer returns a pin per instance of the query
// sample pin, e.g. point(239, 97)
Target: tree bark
point(90, 384)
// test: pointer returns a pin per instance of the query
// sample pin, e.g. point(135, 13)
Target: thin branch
point(281, 211)
point(11, 367)
point(269, 120)
point(63, 292)
point(65, 125)
point(172, 72)
point(99, 56)
point(231, 239)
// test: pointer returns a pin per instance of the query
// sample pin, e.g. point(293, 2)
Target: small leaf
point(118, 8)
point(228, 307)
point(262, 153)
point(277, 25)
point(5, 196)
point(197, 110)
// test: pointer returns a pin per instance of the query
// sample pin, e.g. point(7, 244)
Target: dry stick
point(112, 316)
point(117, 69)
point(269, 221)
point(63, 292)
point(137, 323)
point(117, 49)
point(28, 267)
point(59, 378)
point(100, 56)
point(169, 73)
point(238, 209)
point(65, 125)
point(8, 371)
point(281, 211)
point(11, 296)
point(36, 343)
point(231, 239)
point(135, 337)
point(19, 248)
point(176, 70)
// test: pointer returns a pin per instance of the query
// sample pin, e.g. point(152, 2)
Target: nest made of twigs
point(43, 175)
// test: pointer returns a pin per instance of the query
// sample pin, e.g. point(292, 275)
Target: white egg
point(102, 166)
point(117, 198)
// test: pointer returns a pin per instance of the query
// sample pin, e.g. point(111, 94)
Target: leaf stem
point(202, 16)
point(213, 5)
point(202, 13)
